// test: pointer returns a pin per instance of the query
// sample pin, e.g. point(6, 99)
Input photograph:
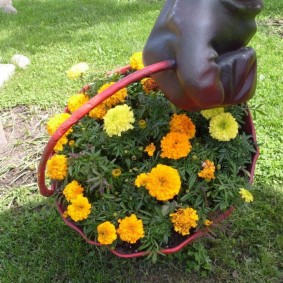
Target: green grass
point(36, 245)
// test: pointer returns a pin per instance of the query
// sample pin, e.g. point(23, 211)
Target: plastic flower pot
point(84, 110)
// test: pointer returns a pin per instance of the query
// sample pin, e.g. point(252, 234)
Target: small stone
point(7, 6)
point(20, 60)
point(6, 71)
point(3, 140)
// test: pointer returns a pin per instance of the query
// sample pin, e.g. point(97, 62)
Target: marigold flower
point(223, 127)
point(57, 167)
point(79, 209)
point(116, 172)
point(183, 124)
point(246, 195)
point(116, 98)
point(98, 112)
point(130, 229)
point(72, 190)
point(106, 233)
point(175, 146)
point(118, 119)
point(55, 122)
point(71, 142)
point(149, 84)
point(77, 101)
point(142, 124)
point(150, 149)
point(65, 214)
point(60, 144)
point(207, 222)
point(184, 219)
point(208, 170)
point(136, 62)
point(163, 182)
point(141, 180)
point(209, 113)
point(77, 71)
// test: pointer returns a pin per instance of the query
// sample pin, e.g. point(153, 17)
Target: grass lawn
point(34, 243)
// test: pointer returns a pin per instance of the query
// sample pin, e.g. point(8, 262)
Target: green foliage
point(94, 156)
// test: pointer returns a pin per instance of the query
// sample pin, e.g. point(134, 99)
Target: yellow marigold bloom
point(57, 167)
point(223, 127)
point(77, 71)
point(106, 233)
point(79, 209)
point(142, 124)
point(118, 119)
point(72, 190)
point(207, 222)
point(130, 229)
point(136, 62)
point(209, 113)
point(184, 219)
point(175, 146)
point(163, 182)
point(149, 84)
point(116, 172)
point(98, 112)
point(55, 122)
point(77, 101)
point(246, 195)
point(150, 149)
point(208, 170)
point(182, 124)
point(141, 180)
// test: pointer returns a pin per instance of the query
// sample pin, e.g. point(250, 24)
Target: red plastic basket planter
point(84, 110)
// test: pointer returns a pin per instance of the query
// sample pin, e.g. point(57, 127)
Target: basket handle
point(85, 109)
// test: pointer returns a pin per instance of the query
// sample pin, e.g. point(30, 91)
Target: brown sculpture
point(208, 40)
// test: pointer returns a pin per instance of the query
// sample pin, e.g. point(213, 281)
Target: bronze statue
point(208, 40)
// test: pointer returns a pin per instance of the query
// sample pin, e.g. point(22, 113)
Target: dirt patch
point(24, 129)
point(275, 26)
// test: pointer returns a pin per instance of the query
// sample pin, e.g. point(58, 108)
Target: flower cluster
point(136, 171)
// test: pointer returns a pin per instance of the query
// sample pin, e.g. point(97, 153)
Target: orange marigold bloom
point(162, 182)
point(184, 219)
point(208, 170)
point(57, 167)
point(79, 209)
point(141, 180)
point(106, 233)
point(72, 190)
point(118, 97)
point(175, 146)
point(182, 124)
point(98, 112)
point(148, 85)
point(150, 149)
point(130, 229)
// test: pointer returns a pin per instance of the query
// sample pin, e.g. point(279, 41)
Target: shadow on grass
point(36, 245)
point(50, 22)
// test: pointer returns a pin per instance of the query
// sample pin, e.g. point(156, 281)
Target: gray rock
point(6, 71)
